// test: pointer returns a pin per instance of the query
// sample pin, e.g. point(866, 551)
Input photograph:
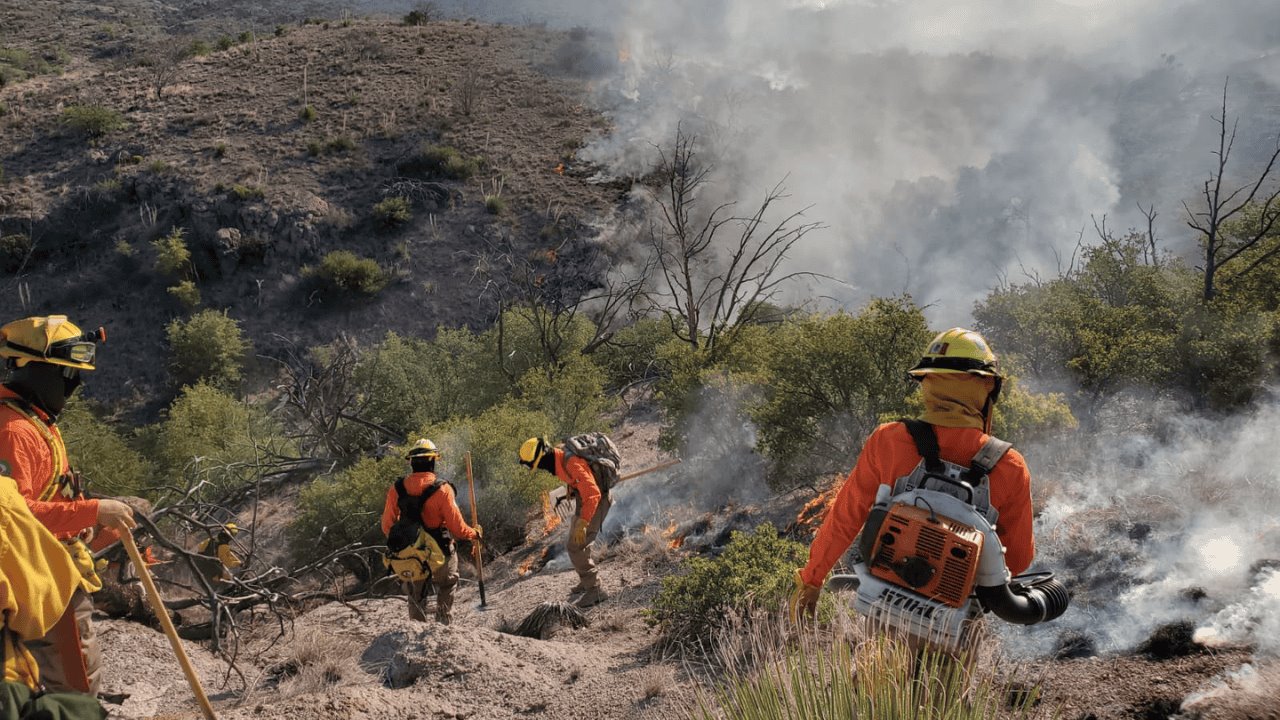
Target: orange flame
point(814, 511)
point(550, 520)
point(526, 566)
point(624, 54)
point(675, 541)
point(559, 169)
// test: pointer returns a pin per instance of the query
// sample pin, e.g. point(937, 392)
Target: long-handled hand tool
point(560, 495)
point(471, 486)
point(157, 605)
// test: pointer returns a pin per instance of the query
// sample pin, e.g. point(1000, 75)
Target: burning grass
point(812, 514)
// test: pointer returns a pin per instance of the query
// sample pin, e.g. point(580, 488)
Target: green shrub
point(631, 355)
point(101, 453)
point(420, 15)
point(199, 48)
point(756, 570)
point(392, 212)
point(220, 150)
point(107, 187)
point(440, 162)
point(307, 113)
point(208, 347)
point(245, 36)
point(507, 494)
point(247, 192)
point(225, 42)
point(186, 293)
point(494, 204)
point(92, 120)
point(337, 145)
point(14, 250)
point(124, 248)
point(572, 395)
point(344, 271)
point(829, 381)
point(408, 383)
point(211, 436)
point(344, 508)
point(172, 256)
point(17, 65)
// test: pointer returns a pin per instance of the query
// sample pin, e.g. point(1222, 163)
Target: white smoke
point(950, 145)
point(1161, 518)
point(720, 468)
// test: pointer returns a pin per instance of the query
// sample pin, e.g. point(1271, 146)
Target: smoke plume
point(1160, 517)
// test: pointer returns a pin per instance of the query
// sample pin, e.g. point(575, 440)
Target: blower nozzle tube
point(1027, 599)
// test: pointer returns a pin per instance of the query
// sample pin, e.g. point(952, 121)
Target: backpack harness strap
point(411, 510)
point(987, 458)
point(926, 441)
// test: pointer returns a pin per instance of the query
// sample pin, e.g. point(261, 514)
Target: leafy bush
point(107, 461)
point(17, 65)
point(344, 271)
point(172, 256)
point(392, 212)
point(225, 42)
point(494, 204)
point(336, 145)
point(421, 14)
point(247, 192)
point(209, 347)
point(92, 120)
point(755, 570)
point(186, 293)
point(507, 494)
point(14, 250)
point(440, 162)
point(211, 436)
point(199, 48)
point(631, 355)
point(307, 113)
point(572, 395)
point(408, 383)
point(344, 508)
point(830, 380)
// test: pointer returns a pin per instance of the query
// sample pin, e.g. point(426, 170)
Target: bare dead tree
point(716, 269)
point(163, 61)
point(1220, 205)
point(545, 292)
point(1153, 258)
point(320, 389)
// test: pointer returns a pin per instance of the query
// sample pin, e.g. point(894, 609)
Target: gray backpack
point(601, 455)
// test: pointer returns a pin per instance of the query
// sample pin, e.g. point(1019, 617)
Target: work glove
point(804, 600)
point(479, 532)
point(579, 534)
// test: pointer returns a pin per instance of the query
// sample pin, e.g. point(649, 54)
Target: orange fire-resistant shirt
point(890, 454)
point(576, 473)
point(26, 457)
point(440, 510)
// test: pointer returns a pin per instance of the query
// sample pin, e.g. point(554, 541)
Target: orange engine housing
point(912, 538)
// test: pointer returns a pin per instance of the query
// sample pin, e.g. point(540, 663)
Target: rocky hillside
point(267, 153)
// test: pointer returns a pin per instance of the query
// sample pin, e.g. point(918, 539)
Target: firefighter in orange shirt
point(591, 507)
point(440, 521)
point(960, 381)
point(45, 357)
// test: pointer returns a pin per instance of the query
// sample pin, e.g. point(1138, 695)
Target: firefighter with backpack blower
point(588, 465)
point(421, 519)
point(944, 512)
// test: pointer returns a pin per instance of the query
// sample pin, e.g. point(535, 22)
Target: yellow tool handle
point(646, 471)
point(471, 489)
point(157, 605)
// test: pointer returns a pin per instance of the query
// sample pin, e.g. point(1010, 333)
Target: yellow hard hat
point(53, 339)
point(232, 528)
point(423, 448)
point(957, 351)
point(532, 450)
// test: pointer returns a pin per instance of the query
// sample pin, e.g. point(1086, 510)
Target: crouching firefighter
point(420, 519)
point(942, 513)
point(588, 465)
point(46, 358)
